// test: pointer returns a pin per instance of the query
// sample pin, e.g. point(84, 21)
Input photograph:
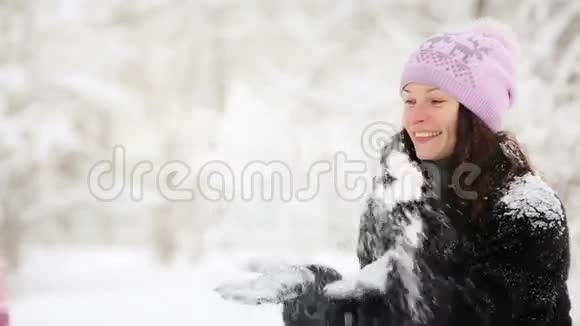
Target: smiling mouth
point(426, 134)
point(423, 136)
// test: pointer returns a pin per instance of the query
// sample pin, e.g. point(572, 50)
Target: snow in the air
point(374, 277)
point(406, 185)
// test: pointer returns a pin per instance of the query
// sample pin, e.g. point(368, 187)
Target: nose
point(417, 114)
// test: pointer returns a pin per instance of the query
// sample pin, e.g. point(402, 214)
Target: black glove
point(312, 308)
point(300, 289)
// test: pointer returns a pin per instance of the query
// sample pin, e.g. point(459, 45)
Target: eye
point(437, 102)
point(409, 101)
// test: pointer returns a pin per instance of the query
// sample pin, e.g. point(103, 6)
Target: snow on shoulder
point(530, 197)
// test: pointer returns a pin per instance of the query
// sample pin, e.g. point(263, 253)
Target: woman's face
point(430, 118)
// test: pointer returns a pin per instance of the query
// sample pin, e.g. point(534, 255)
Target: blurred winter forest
point(197, 81)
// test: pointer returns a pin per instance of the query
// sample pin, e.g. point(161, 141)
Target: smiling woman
point(499, 257)
point(429, 254)
point(430, 119)
point(508, 261)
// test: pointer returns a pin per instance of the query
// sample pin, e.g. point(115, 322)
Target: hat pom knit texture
point(499, 31)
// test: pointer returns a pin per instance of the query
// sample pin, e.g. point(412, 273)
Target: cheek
point(452, 126)
point(405, 119)
point(449, 122)
point(451, 131)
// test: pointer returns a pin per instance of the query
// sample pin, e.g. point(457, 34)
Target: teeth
point(427, 133)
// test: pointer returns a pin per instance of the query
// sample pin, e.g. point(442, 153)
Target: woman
point(510, 258)
point(499, 253)
point(459, 229)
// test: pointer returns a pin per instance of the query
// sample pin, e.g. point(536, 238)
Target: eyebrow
point(427, 91)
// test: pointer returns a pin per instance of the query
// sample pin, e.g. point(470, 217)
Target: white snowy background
point(295, 81)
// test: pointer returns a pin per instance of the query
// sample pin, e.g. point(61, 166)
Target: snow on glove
point(274, 286)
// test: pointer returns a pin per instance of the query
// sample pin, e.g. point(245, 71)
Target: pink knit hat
point(476, 66)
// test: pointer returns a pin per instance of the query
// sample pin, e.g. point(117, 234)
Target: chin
point(431, 155)
point(426, 156)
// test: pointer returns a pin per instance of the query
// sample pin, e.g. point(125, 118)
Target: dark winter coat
point(426, 261)
point(510, 270)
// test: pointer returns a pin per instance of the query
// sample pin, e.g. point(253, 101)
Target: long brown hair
point(496, 154)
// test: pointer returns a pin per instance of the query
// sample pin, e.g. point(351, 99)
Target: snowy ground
point(124, 288)
point(105, 287)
